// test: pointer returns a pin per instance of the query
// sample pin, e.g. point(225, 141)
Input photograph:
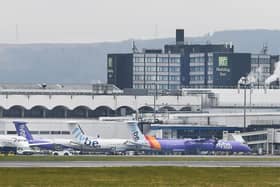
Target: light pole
point(244, 81)
point(155, 97)
point(245, 88)
point(251, 91)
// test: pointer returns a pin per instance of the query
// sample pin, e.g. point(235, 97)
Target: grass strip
point(139, 176)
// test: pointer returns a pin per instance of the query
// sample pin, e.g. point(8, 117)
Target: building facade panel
point(260, 68)
point(120, 70)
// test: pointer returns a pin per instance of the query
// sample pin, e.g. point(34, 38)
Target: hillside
point(86, 63)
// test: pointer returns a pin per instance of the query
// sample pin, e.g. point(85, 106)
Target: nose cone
point(240, 147)
point(246, 148)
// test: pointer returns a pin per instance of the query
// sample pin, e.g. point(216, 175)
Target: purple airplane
point(46, 144)
point(196, 145)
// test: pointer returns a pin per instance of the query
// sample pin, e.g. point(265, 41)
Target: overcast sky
point(113, 20)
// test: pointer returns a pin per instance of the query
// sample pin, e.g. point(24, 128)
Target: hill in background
point(86, 63)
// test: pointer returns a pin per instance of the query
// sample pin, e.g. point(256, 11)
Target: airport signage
point(223, 66)
point(223, 61)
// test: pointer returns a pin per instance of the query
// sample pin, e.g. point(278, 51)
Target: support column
point(123, 111)
point(65, 113)
point(106, 112)
point(44, 113)
point(22, 113)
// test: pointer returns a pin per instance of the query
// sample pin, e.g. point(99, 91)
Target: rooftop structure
point(59, 89)
point(83, 101)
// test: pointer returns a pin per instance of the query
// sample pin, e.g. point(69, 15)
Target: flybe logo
point(135, 136)
point(224, 146)
point(134, 132)
point(84, 139)
point(22, 131)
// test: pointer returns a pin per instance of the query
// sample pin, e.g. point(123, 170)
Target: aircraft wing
point(132, 143)
point(197, 141)
point(200, 140)
point(75, 143)
point(38, 144)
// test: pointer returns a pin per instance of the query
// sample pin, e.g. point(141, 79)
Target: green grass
point(139, 176)
point(133, 158)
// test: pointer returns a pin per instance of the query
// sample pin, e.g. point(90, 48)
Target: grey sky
point(111, 20)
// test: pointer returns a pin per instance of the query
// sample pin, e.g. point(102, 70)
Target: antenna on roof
point(208, 41)
point(264, 49)
point(134, 48)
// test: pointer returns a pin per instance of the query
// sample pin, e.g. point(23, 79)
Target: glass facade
point(260, 68)
point(197, 69)
point(210, 68)
point(156, 71)
point(170, 71)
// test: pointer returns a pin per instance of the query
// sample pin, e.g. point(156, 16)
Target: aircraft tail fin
point(135, 133)
point(77, 132)
point(22, 130)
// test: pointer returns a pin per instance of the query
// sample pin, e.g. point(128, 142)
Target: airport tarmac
point(65, 164)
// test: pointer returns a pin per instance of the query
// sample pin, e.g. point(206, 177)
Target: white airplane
point(136, 142)
point(45, 144)
point(14, 144)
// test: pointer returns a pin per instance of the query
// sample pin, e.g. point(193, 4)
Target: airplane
point(196, 145)
point(136, 142)
point(141, 142)
point(14, 144)
point(44, 144)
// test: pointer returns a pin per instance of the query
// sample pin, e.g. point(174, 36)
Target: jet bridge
point(261, 142)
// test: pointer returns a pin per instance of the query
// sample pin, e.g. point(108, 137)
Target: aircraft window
point(65, 132)
point(55, 132)
point(11, 132)
point(44, 132)
point(34, 132)
point(2, 132)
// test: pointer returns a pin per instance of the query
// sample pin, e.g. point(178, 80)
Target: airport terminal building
point(195, 113)
point(83, 101)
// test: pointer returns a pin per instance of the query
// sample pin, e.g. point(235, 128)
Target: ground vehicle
point(62, 153)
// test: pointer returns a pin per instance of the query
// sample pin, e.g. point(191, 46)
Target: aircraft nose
point(246, 148)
